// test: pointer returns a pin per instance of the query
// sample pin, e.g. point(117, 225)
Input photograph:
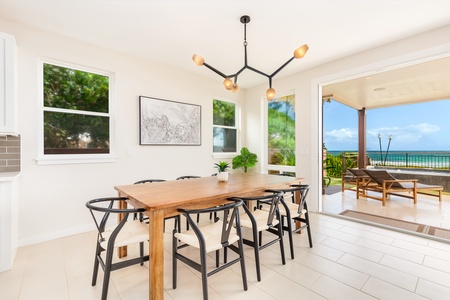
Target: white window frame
point(266, 167)
point(237, 127)
point(49, 159)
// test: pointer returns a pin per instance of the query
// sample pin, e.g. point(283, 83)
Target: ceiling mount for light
point(233, 86)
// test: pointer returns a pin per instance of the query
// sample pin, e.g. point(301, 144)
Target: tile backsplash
point(9, 153)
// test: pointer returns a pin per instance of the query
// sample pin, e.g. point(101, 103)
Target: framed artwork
point(164, 122)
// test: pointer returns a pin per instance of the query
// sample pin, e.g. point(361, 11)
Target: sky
point(414, 127)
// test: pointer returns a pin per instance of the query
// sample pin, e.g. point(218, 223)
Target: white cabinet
point(9, 219)
point(8, 103)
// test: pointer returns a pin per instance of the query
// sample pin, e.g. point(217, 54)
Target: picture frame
point(166, 122)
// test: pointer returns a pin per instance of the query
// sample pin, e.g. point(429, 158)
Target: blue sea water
point(426, 159)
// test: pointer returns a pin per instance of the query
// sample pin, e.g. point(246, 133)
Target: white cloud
point(402, 137)
point(425, 128)
point(342, 135)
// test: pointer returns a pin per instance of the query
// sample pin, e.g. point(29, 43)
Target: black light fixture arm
point(282, 67)
point(215, 70)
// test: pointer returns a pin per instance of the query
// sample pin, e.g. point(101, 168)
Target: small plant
point(222, 166)
point(245, 160)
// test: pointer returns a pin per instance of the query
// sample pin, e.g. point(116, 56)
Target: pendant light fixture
point(233, 86)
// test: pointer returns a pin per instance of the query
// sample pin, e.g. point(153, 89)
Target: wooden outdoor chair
point(361, 181)
point(408, 188)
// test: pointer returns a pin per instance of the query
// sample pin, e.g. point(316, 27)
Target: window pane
point(75, 89)
point(224, 140)
point(281, 135)
point(75, 133)
point(224, 113)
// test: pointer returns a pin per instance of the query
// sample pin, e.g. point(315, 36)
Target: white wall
point(429, 45)
point(52, 197)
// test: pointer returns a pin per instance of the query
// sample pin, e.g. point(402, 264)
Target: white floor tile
point(424, 272)
point(354, 249)
point(365, 233)
point(432, 290)
point(385, 291)
point(332, 289)
point(397, 278)
point(334, 270)
point(392, 250)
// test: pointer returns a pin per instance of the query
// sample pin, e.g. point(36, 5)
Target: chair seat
point(260, 218)
point(421, 186)
point(212, 234)
point(132, 232)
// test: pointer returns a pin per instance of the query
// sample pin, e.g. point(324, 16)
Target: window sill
point(224, 155)
point(70, 160)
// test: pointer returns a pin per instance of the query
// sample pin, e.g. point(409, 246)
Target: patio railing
point(409, 160)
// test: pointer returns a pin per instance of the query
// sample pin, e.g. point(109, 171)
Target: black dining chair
point(221, 234)
point(142, 218)
point(258, 220)
point(189, 177)
point(124, 233)
point(293, 209)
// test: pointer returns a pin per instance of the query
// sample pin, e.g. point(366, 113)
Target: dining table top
point(179, 193)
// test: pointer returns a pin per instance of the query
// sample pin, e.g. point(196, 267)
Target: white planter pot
point(222, 176)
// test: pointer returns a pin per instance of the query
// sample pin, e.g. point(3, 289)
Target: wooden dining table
point(162, 199)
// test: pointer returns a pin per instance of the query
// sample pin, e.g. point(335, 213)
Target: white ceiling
point(171, 31)
point(428, 81)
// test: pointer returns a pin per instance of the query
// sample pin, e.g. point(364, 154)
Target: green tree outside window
point(281, 131)
point(76, 111)
point(224, 127)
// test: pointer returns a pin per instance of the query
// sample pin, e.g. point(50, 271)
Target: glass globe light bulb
point(301, 51)
point(228, 83)
point(270, 94)
point(198, 60)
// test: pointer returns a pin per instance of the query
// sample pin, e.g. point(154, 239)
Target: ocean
point(416, 159)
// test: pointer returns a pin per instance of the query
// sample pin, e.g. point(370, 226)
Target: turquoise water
point(425, 159)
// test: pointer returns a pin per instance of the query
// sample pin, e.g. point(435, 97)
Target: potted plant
point(222, 168)
point(245, 160)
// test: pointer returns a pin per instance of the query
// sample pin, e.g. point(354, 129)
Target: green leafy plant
point(245, 160)
point(222, 166)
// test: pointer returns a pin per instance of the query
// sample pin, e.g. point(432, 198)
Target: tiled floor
point(428, 210)
point(349, 261)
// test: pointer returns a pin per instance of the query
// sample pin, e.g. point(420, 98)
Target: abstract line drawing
point(165, 122)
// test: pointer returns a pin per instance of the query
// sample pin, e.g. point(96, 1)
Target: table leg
point(156, 252)
point(122, 251)
point(298, 224)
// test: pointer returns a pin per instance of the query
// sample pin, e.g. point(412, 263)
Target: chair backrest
point(149, 181)
point(358, 172)
point(285, 174)
point(187, 177)
point(273, 200)
point(230, 219)
point(381, 175)
point(296, 189)
point(106, 206)
point(304, 190)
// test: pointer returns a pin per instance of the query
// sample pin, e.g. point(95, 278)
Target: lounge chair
point(408, 188)
point(361, 181)
point(355, 180)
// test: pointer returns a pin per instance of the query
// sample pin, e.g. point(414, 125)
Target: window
point(76, 118)
point(224, 127)
point(281, 131)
